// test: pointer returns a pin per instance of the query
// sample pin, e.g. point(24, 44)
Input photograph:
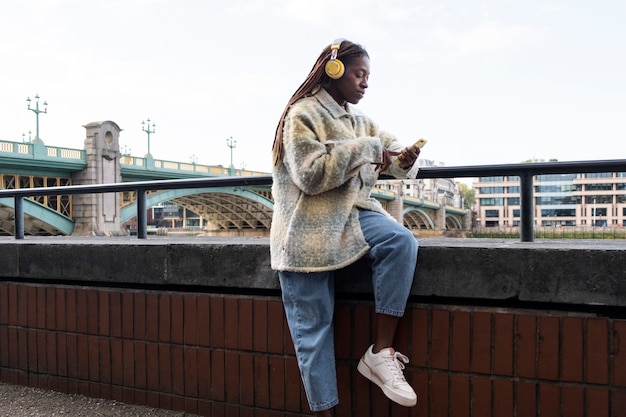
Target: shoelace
point(395, 363)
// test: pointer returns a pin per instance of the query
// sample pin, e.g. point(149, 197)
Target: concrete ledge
point(583, 272)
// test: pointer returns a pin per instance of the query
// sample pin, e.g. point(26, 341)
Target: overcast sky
point(486, 82)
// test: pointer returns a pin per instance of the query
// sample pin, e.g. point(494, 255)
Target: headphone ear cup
point(334, 69)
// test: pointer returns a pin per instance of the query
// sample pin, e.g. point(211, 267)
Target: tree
point(469, 196)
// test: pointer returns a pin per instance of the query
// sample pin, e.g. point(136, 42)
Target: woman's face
point(352, 85)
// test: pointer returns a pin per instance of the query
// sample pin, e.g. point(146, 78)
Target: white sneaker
point(385, 370)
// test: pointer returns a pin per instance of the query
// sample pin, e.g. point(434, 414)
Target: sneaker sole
point(367, 373)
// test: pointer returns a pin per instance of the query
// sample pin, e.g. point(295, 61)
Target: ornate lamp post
point(146, 128)
point(37, 111)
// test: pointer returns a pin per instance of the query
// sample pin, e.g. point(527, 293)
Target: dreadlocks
point(317, 77)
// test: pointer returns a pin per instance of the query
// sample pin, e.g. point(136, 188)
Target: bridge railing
point(526, 172)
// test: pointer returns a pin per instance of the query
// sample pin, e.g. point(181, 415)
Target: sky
point(485, 82)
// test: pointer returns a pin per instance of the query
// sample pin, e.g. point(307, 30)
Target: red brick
point(152, 367)
point(51, 312)
point(141, 365)
point(61, 303)
point(597, 351)
point(526, 346)
point(549, 400)
point(440, 339)
point(72, 355)
point(190, 325)
point(231, 372)
point(31, 296)
point(71, 310)
point(178, 370)
point(82, 311)
point(94, 358)
point(260, 325)
point(363, 338)
point(92, 306)
point(51, 353)
point(572, 349)
point(22, 306)
point(526, 399)
point(165, 401)
point(548, 348)
point(419, 336)
point(128, 349)
point(204, 373)
point(165, 318)
point(618, 404)
point(459, 396)
point(218, 375)
point(141, 397)
point(152, 317)
point(619, 353)
point(438, 401)
point(293, 386)
point(597, 402)
point(127, 315)
point(343, 331)
point(177, 324)
point(344, 387)
point(4, 346)
point(203, 317)
point(231, 321)
point(191, 406)
point(503, 398)
point(401, 340)
point(261, 381)
point(4, 303)
point(481, 396)
point(276, 327)
point(14, 360)
point(105, 361)
point(460, 344)
point(42, 355)
point(41, 307)
point(165, 368)
point(277, 382)
point(12, 304)
point(191, 372)
point(115, 313)
point(246, 379)
point(481, 343)
point(217, 321)
point(503, 345)
point(31, 340)
point(572, 401)
point(82, 349)
point(245, 324)
point(104, 328)
point(61, 354)
point(139, 315)
point(117, 362)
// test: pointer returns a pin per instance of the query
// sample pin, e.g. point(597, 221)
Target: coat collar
point(329, 103)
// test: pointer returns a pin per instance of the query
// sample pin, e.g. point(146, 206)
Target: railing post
point(142, 217)
point(19, 217)
point(526, 213)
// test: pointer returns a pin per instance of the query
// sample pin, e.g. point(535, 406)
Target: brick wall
point(231, 355)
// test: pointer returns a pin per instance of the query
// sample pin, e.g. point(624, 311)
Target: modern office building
point(592, 199)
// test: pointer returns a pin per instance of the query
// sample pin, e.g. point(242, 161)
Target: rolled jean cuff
point(390, 312)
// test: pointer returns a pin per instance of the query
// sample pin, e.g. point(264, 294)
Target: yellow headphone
point(334, 67)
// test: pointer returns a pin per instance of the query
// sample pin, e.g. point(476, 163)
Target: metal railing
point(526, 172)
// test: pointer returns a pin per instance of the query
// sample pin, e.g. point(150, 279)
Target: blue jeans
point(309, 301)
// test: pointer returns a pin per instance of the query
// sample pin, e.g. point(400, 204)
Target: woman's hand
point(408, 156)
point(386, 163)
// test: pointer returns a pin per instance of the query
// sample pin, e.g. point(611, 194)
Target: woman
point(327, 158)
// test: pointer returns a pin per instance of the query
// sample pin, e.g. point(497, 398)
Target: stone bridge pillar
point(396, 206)
point(99, 214)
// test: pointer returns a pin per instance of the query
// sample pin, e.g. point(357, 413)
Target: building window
point(566, 199)
point(491, 190)
point(513, 201)
point(513, 178)
point(558, 212)
point(492, 201)
point(514, 190)
point(492, 213)
point(599, 175)
point(598, 187)
point(516, 213)
point(600, 199)
point(556, 177)
point(492, 179)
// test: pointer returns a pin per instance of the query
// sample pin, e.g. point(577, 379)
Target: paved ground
point(19, 401)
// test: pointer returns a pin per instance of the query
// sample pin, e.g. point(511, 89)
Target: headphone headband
point(334, 67)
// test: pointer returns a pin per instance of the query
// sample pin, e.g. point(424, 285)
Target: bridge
point(227, 210)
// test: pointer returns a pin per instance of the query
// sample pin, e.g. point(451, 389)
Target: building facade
point(584, 200)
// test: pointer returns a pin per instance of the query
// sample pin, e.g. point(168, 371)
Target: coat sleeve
point(391, 142)
point(316, 166)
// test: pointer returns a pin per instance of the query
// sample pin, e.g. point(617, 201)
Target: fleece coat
point(326, 175)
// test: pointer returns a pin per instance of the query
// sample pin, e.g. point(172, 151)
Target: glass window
point(491, 201)
point(516, 213)
point(491, 190)
point(600, 199)
point(514, 189)
point(492, 213)
point(558, 212)
point(513, 201)
point(565, 199)
point(599, 175)
point(598, 187)
point(491, 179)
point(556, 177)
point(514, 178)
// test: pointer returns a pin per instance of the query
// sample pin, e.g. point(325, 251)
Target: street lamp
point(231, 143)
point(146, 128)
point(37, 111)
point(593, 213)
